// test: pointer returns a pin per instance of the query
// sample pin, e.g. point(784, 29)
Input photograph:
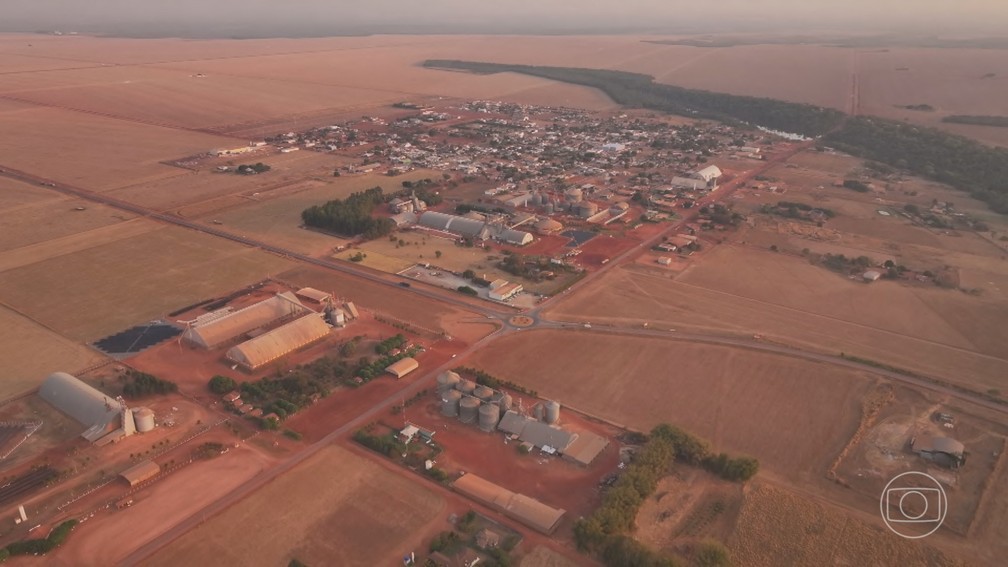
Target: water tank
point(144, 419)
point(450, 403)
point(552, 412)
point(447, 381)
point(505, 402)
point(483, 393)
point(573, 195)
point(468, 408)
point(489, 415)
point(466, 386)
point(550, 209)
point(537, 412)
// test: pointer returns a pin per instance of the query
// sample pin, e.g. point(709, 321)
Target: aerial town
point(540, 314)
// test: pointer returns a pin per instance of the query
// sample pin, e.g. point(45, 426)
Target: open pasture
point(794, 416)
point(336, 508)
point(126, 282)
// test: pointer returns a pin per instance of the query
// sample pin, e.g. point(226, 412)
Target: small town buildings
point(505, 292)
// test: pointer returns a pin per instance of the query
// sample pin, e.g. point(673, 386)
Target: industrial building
point(505, 291)
point(709, 175)
point(259, 351)
point(220, 330)
point(141, 472)
point(541, 431)
point(519, 507)
point(313, 295)
point(402, 367)
point(473, 228)
point(944, 451)
point(105, 419)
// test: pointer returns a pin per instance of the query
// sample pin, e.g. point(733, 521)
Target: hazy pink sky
point(929, 16)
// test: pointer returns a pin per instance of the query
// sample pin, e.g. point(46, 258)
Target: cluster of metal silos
point(450, 403)
point(469, 409)
point(470, 402)
point(447, 380)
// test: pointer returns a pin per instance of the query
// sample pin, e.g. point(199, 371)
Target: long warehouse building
point(256, 353)
point(234, 325)
point(99, 413)
point(473, 228)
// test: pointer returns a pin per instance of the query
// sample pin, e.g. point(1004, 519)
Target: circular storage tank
point(573, 195)
point(483, 393)
point(450, 403)
point(447, 381)
point(144, 419)
point(537, 412)
point(552, 412)
point(550, 208)
point(466, 386)
point(505, 402)
point(489, 415)
point(468, 408)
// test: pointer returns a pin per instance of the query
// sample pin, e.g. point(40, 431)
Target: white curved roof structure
point(452, 223)
point(709, 173)
point(83, 403)
point(266, 348)
point(244, 320)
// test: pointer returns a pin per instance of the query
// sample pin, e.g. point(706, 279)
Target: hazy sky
point(297, 17)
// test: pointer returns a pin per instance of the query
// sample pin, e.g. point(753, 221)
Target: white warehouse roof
point(266, 348)
point(83, 403)
point(244, 320)
point(708, 173)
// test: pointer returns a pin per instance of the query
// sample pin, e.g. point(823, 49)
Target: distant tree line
point(246, 169)
point(792, 210)
point(638, 90)
point(484, 379)
point(960, 162)
point(351, 216)
point(140, 384)
point(977, 120)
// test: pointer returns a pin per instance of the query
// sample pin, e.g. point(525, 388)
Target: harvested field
point(132, 281)
point(53, 219)
point(777, 527)
point(688, 507)
point(94, 151)
point(626, 296)
point(21, 341)
point(742, 401)
point(369, 517)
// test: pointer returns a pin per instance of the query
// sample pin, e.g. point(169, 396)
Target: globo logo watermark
point(913, 505)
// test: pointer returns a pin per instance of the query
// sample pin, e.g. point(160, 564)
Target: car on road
point(404, 284)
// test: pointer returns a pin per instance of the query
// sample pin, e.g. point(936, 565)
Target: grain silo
point(573, 195)
point(450, 403)
point(552, 412)
point(489, 415)
point(505, 402)
point(144, 419)
point(447, 381)
point(483, 393)
point(549, 208)
point(537, 412)
point(466, 386)
point(468, 408)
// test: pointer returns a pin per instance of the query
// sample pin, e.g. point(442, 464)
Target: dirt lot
point(741, 401)
point(21, 341)
point(369, 517)
point(131, 281)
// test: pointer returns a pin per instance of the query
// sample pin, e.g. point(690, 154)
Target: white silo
point(552, 412)
point(144, 419)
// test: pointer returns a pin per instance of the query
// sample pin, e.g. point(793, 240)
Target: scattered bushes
point(41, 546)
point(139, 384)
point(221, 385)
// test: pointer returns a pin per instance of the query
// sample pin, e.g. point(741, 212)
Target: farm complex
point(349, 301)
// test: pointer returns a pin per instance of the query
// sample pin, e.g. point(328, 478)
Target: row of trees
point(390, 344)
point(484, 379)
point(39, 546)
point(606, 531)
point(978, 120)
point(140, 384)
point(637, 90)
point(351, 216)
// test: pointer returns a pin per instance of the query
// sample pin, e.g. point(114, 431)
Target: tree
point(437, 253)
point(222, 384)
point(711, 553)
